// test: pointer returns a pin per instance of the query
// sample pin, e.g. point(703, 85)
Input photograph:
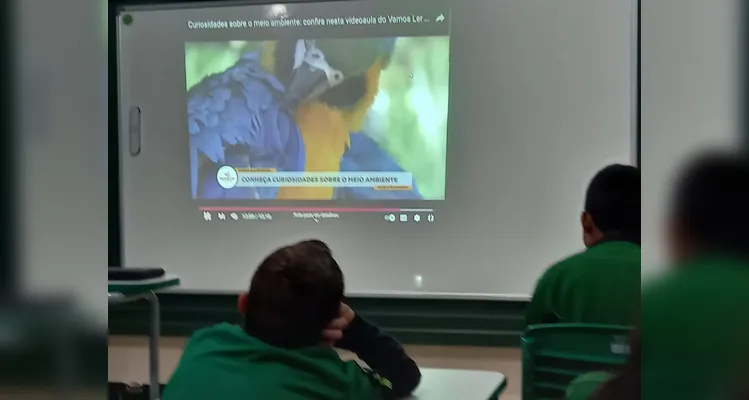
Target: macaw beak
point(307, 83)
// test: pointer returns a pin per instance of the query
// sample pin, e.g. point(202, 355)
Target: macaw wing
point(234, 119)
point(366, 155)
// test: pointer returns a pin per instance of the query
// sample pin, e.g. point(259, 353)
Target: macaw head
point(332, 71)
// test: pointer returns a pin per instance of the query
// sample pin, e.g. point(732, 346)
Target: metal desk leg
point(153, 346)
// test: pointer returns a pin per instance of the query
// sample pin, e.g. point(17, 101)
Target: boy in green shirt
point(293, 316)
point(602, 283)
point(694, 335)
point(695, 319)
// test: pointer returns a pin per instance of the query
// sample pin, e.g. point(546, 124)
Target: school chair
point(555, 354)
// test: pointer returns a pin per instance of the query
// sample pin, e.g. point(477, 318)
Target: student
point(695, 319)
point(293, 314)
point(602, 283)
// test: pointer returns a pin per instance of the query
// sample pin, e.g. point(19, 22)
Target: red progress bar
point(299, 209)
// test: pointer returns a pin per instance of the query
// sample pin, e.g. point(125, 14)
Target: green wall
point(412, 321)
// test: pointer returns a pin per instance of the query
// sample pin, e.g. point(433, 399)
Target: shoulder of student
point(692, 314)
point(699, 279)
point(605, 253)
point(568, 263)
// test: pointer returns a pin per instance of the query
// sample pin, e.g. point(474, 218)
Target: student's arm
point(383, 354)
point(585, 386)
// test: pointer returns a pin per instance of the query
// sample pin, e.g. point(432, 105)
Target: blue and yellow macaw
point(295, 105)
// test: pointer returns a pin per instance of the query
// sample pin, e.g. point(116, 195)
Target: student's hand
point(334, 331)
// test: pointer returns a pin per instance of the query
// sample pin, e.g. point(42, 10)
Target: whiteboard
point(541, 96)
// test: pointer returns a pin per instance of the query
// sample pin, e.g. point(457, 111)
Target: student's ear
point(679, 245)
point(591, 236)
point(587, 223)
point(242, 303)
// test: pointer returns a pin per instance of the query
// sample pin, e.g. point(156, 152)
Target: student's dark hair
point(294, 294)
point(711, 203)
point(613, 200)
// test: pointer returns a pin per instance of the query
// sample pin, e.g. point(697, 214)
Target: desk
point(121, 292)
point(455, 384)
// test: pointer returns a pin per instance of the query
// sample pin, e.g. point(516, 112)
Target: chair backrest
point(555, 354)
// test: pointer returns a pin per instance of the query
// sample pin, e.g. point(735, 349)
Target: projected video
point(318, 119)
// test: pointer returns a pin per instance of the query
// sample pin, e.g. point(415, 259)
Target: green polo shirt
point(599, 285)
point(222, 362)
point(695, 329)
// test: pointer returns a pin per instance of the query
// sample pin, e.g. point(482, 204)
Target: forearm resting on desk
point(383, 354)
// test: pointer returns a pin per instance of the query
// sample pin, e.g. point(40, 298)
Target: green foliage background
point(409, 117)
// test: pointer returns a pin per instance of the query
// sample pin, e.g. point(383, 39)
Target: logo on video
point(227, 177)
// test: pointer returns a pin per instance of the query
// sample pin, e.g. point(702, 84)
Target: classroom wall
point(690, 94)
point(689, 81)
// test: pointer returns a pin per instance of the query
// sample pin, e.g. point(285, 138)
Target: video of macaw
point(318, 119)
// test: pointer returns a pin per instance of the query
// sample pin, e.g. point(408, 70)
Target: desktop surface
point(437, 384)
